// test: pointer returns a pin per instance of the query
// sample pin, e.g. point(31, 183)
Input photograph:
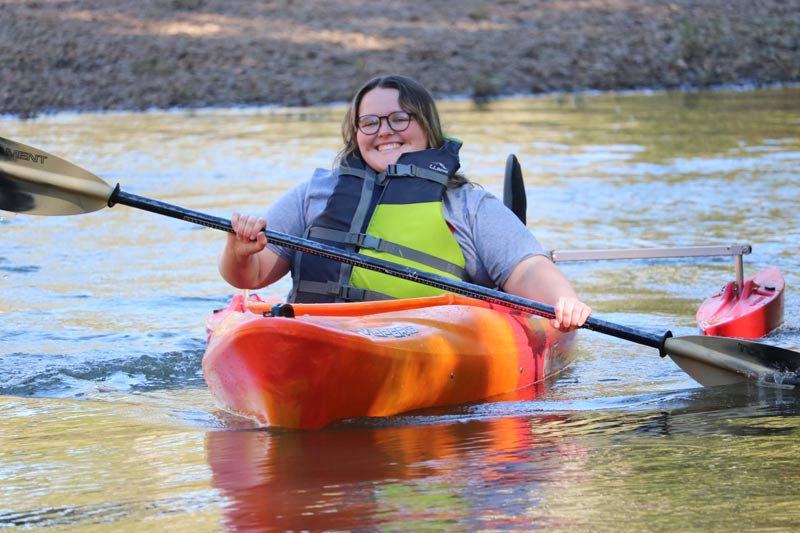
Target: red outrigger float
point(745, 308)
point(748, 309)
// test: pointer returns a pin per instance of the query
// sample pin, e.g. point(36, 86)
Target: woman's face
point(386, 146)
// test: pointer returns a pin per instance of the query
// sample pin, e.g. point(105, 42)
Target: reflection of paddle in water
point(480, 471)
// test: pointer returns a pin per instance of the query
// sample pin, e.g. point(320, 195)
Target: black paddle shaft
point(653, 340)
point(37, 183)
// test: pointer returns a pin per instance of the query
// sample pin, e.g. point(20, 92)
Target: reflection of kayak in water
point(306, 365)
point(358, 478)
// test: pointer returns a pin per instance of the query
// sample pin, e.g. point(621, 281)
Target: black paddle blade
point(37, 183)
point(723, 360)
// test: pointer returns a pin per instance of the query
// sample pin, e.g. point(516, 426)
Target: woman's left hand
point(571, 313)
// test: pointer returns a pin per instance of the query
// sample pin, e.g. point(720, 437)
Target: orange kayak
point(307, 365)
point(749, 313)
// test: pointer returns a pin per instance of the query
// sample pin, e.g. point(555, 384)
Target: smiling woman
point(396, 194)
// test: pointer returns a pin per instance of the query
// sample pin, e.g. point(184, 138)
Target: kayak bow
point(307, 365)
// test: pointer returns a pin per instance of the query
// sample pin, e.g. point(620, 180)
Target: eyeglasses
point(397, 120)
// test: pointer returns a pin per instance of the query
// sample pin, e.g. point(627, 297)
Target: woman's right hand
point(249, 237)
point(246, 262)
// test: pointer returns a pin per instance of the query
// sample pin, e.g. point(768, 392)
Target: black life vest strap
point(341, 292)
point(359, 216)
point(408, 171)
point(362, 173)
point(362, 240)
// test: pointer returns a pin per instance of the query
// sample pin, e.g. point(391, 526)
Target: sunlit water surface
point(106, 423)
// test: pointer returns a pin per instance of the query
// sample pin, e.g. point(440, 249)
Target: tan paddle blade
point(715, 361)
point(37, 183)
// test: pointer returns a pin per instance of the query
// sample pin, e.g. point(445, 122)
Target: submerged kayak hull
point(750, 313)
point(336, 361)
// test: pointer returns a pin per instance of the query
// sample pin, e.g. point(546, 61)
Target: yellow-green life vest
point(396, 216)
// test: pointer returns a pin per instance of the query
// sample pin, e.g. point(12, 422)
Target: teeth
point(390, 146)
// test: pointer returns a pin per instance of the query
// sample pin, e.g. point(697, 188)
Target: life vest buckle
point(352, 294)
point(364, 240)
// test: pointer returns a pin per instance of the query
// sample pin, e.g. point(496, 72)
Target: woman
point(396, 194)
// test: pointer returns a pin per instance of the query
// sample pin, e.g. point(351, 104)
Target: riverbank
point(91, 55)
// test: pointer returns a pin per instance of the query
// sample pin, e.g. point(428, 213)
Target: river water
point(106, 422)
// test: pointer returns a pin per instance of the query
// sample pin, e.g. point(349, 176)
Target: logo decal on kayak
point(398, 332)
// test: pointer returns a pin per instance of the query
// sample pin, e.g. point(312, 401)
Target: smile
point(387, 146)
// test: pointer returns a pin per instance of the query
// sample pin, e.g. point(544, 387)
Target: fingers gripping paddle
point(38, 183)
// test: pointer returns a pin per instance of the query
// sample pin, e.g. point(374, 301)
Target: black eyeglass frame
point(388, 122)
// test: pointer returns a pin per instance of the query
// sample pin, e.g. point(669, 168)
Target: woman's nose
point(383, 126)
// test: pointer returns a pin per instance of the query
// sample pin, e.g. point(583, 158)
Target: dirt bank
point(139, 54)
